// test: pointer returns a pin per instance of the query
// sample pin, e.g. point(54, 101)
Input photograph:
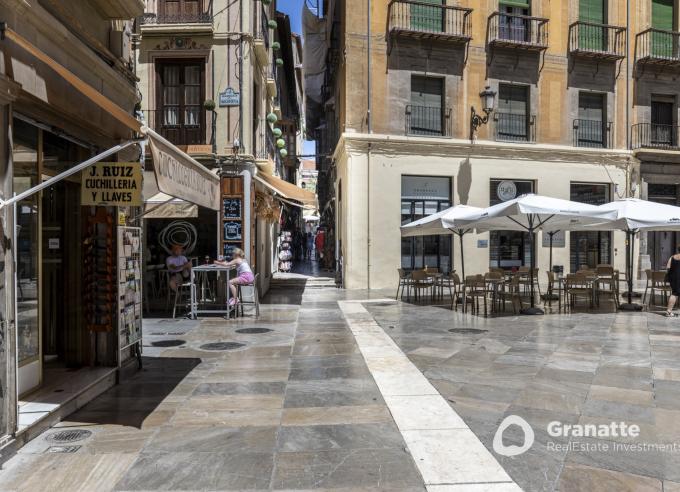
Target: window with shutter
point(592, 37)
point(427, 18)
point(512, 28)
point(426, 105)
point(663, 16)
point(181, 91)
point(590, 126)
point(662, 132)
point(513, 112)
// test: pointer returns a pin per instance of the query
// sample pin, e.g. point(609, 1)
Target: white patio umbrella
point(444, 222)
point(531, 213)
point(632, 216)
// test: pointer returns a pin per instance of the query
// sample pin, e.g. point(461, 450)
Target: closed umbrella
point(442, 223)
point(531, 213)
point(632, 216)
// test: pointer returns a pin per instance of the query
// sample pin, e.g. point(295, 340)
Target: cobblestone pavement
point(352, 391)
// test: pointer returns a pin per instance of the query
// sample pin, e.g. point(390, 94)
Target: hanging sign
point(112, 183)
point(507, 190)
point(229, 98)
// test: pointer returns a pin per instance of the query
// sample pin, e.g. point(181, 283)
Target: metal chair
point(420, 280)
point(659, 285)
point(404, 283)
point(475, 288)
point(648, 284)
point(577, 285)
point(511, 291)
point(254, 297)
point(181, 296)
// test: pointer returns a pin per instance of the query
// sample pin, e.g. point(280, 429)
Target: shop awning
point(287, 190)
point(180, 176)
point(162, 206)
point(84, 88)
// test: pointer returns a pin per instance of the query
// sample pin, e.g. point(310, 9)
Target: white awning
point(162, 206)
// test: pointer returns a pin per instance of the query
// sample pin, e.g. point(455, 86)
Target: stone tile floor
point(298, 408)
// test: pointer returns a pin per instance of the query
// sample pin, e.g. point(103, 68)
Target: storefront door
point(509, 249)
point(590, 248)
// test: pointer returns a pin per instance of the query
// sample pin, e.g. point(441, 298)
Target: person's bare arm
point(668, 265)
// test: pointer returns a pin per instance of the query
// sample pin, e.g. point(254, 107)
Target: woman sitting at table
point(244, 275)
point(673, 276)
point(178, 267)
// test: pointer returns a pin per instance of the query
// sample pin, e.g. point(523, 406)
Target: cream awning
point(287, 190)
point(180, 176)
point(162, 206)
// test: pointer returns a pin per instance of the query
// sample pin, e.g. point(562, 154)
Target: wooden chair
point(511, 291)
point(475, 288)
point(607, 282)
point(421, 281)
point(578, 285)
point(404, 283)
point(659, 285)
point(547, 299)
point(458, 289)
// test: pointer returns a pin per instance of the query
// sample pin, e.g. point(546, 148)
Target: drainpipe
point(628, 129)
point(368, 217)
point(368, 65)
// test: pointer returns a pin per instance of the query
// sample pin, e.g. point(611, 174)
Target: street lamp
point(488, 98)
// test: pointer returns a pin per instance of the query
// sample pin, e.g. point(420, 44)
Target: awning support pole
point(69, 172)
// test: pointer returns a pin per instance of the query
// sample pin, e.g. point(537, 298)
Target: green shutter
point(591, 11)
point(592, 38)
point(663, 14)
point(426, 18)
point(524, 4)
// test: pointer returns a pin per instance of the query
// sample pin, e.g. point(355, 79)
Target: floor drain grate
point(222, 346)
point(168, 343)
point(71, 435)
point(62, 449)
point(467, 331)
point(253, 331)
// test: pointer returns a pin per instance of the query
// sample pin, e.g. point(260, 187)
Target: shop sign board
point(112, 184)
point(229, 98)
point(507, 190)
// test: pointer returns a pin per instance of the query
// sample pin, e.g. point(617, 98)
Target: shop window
point(590, 248)
point(180, 116)
point(509, 249)
point(661, 244)
point(422, 196)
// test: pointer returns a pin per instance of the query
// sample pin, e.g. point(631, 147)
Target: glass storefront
point(587, 249)
point(509, 249)
point(661, 244)
point(26, 175)
point(422, 196)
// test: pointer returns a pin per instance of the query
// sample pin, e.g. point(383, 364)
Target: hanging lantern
point(283, 152)
point(279, 62)
point(280, 143)
point(272, 118)
point(277, 132)
point(272, 24)
point(276, 46)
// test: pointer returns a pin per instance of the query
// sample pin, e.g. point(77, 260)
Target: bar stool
point(182, 295)
point(254, 298)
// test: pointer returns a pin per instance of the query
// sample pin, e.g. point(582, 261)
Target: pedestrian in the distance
point(310, 246)
point(244, 275)
point(673, 277)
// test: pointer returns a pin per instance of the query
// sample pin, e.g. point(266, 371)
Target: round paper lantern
point(276, 45)
point(277, 132)
point(272, 118)
point(279, 62)
point(272, 24)
point(280, 143)
point(283, 152)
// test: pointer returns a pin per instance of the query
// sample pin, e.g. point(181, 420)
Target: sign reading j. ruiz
point(112, 183)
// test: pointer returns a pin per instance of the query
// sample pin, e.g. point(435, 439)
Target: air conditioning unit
point(120, 41)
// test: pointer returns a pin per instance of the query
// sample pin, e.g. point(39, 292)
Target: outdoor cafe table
point(218, 269)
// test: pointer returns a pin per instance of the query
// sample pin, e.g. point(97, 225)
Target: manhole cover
point(253, 331)
point(71, 435)
point(222, 346)
point(168, 343)
point(467, 331)
point(62, 449)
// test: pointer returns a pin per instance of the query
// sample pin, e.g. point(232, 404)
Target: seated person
point(244, 275)
point(178, 267)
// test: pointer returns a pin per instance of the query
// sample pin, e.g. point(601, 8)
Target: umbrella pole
point(549, 296)
point(462, 258)
point(630, 306)
point(532, 310)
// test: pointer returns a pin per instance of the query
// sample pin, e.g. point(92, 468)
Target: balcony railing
point(658, 46)
point(592, 133)
point(654, 136)
point(261, 27)
point(515, 127)
point(183, 18)
point(181, 127)
point(427, 120)
point(597, 40)
point(428, 20)
point(265, 148)
point(518, 31)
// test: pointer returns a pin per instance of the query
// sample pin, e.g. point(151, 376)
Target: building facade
point(585, 109)
point(68, 93)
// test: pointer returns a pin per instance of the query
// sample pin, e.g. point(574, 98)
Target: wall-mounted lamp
point(488, 98)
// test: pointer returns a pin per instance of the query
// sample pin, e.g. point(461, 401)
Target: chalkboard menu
point(231, 208)
point(232, 215)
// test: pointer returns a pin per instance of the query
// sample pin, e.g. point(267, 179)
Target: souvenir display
point(129, 288)
point(285, 251)
point(99, 272)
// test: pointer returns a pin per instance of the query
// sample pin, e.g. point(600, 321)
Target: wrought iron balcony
point(518, 31)
point(654, 136)
point(515, 127)
point(265, 147)
point(188, 126)
point(592, 133)
point(428, 120)
point(597, 40)
point(151, 18)
point(658, 47)
point(430, 21)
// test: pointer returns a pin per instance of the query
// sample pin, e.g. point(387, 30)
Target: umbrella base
point(532, 311)
point(550, 297)
point(637, 295)
point(630, 307)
